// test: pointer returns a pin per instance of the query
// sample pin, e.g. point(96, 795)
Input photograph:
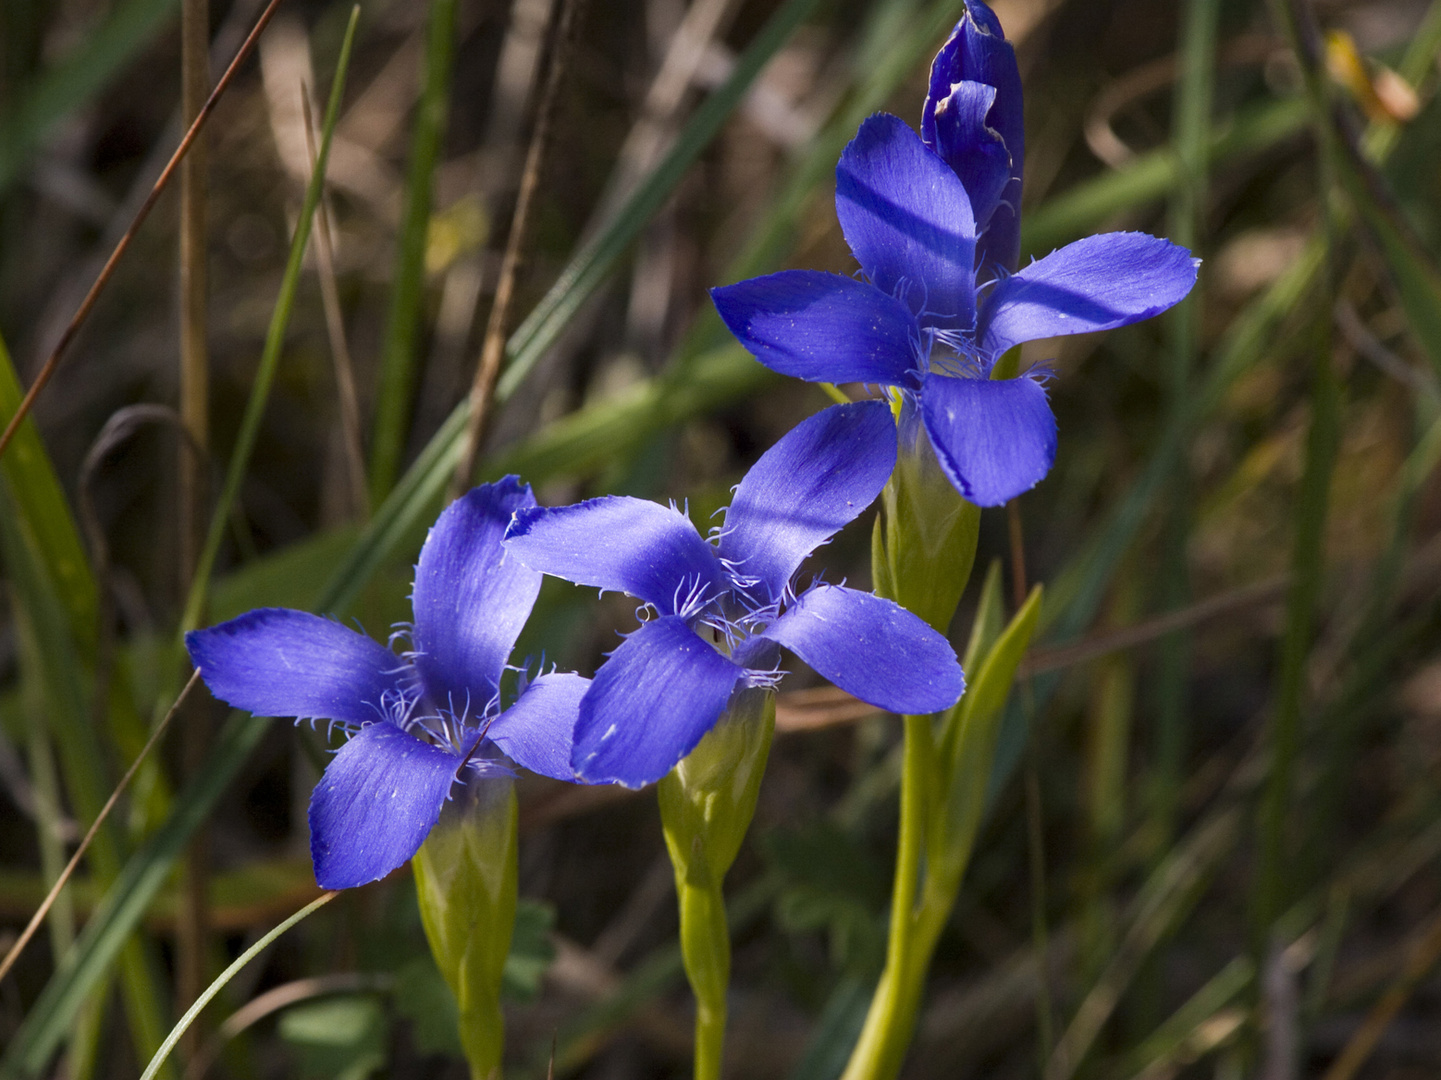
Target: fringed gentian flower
point(418, 722)
point(723, 611)
point(932, 219)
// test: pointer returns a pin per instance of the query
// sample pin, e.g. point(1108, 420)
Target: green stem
point(706, 805)
point(466, 882)
point(274, 345)
point(707, 959)
point(892, 1015)
point(402, 331)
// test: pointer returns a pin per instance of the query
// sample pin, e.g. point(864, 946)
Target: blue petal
point(1098, 283)
point(375, 805)
point(872, 648)
point(623, 544)
point(471, 600)
point(972, 148)
point(536, 731)
point(822, 327)
point(804, 489)
point(978, 52)
point(279, 662)
point(908, 220)
point(994, 438)
point(650, 703)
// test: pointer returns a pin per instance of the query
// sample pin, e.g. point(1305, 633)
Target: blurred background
point(1215, 823)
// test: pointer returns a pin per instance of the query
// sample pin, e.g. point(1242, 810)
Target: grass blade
point(417, 496)
point(225, 976)
point(274, 343)
point(397, 358)
point(61, 674)
point(592, 264)
point(40, 500)
point(125, 904)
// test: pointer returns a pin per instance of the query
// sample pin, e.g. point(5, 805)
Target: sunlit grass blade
point(893, 43)
point(579, 443)
point(57, 598)
point(110, 926)
point(1168, 894)
point(225, 976)
point(40, 500)
point(44, 517)
point(1196, 1026)
point(594, 261)
point(274, 343)
point(61, 674)
point(396, 389)
point(77, 79)
point(416, 497)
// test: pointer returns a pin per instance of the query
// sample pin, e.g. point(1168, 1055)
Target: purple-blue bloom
point(723, 611)
point(932, 220)
point(418, 722)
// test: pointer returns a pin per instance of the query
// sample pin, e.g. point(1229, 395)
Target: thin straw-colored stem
point(108, 270)
point(335, 330)
point(274, 342)
point(43, 910)
point(1424, 956)
point(492, 352)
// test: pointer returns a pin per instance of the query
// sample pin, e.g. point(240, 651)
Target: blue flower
point(932, 220)
point(418, 722)
point(723, 611)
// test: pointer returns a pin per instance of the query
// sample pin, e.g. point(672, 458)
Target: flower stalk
point(466, 877)
point(944, 783)
point(706, 805)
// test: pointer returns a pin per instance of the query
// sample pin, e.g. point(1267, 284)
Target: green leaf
point(989, 620)
point(40, 501)
point(422, 997)
point(831, 884)
point(531, 951)
point(465, 881)
point(340, 1038)
point(967, 746)
point(57, 606)
point(291, 577)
